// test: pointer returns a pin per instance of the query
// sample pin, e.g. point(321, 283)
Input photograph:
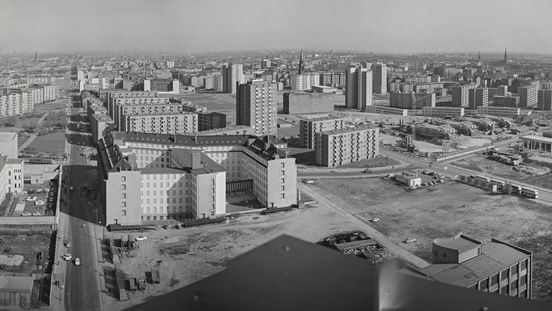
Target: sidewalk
point(401, 165)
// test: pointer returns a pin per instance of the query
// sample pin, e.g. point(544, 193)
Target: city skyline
point(188, 27)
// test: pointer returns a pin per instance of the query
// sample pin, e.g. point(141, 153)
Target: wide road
point(82, 283)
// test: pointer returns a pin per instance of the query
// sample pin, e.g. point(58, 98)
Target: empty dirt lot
point(445, 210)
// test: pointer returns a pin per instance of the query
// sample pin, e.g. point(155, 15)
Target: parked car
point(36, 214)
point(375, 219)
point(67, 257)
point(77, 261)
point(26, 214)
point(410, 240)
point(31, 199)
point(308, 181)
point(141, 238)
point(67, 244)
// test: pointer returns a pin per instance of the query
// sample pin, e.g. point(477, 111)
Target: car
point(36, 214)
point(77, 261)
point(26, 214)
point(67, 257)
point(83, 225)
point(71, 188)
point(410, 240)
point(67, 244)
point(308, 181)
point(141, 238)
point(31, 199)
point(375, 219)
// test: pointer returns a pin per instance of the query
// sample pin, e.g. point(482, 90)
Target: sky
point(187, 26)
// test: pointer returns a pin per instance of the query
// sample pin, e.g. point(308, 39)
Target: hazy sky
point(208, 25)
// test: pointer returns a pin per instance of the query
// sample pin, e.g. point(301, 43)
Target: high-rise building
point(301, 68)
point(478, 97)
point(411, 100)
point(460, 95)
point(265, 64)
point(506, 101)
point(359, 88)
point(211, 120)
point(379, 81)
point(545, 100)
point(256, 106)
point(232, 74)
point(527, 96)
point(217, 83)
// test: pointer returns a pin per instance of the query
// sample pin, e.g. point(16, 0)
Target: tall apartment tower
point(460, 95)
point(256, 106)
point(478, 97)
point(545, 100)
point(379, 84)
point(527, 96)
point(231, 75)
point(359, 88)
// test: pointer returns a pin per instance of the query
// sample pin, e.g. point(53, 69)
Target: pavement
point(365, 226)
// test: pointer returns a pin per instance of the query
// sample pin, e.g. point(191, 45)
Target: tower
point(479, 56)
point(358, 88)
point(301, 64)
point(505, 56)
point(256, 107)
point(36, 54)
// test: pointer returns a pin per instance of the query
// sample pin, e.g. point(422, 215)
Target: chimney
point(196, 159)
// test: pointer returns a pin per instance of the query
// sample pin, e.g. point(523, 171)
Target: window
point(124, 212)
point(124, 195)
point(123, 204)
point(123, 186)
point(283, 195)
point(123, 178)
point(212, 213)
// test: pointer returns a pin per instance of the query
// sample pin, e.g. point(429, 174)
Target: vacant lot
point(445, 210)
point(51, 144)
point(188, 255)
point(482, 164)
point(28, 247)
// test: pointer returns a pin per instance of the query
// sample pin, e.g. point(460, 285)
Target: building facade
point(211, 120)
point(232, 74)
point(379, 81)
point(411, 100)
point(545, 100)
point(358, 88)
point(478, 97)
point(340, 147)
point(309, 127)
point(509, 112)
point(170, 123)
point(443, 111)
point(527, 96)
point(256, 107)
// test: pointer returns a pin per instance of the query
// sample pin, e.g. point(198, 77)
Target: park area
point(445, 210)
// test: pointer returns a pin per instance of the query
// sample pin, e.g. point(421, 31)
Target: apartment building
point(340, 147)
point(309, 127)
point(160, 123)
point(335, 79)
point(256, 107)
point(149, 177)
point(527, 96)
point(545, 100)
point(460, 95)
point(478, 97)
point(305, 81)
point(411, 100)
point(109, 97)
point(358, 88)
point(443, 111)
point(100, 122)
point(493, 267)
point(229, 130)
point(379, 81)
point(505, 101)
point(509, 112)
point(16, 103)
point(211, 120)
point(123, 107)
point(232, 74)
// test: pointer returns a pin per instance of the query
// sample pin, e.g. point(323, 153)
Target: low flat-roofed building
point(508, 112)
point(16, 290)
point(386, 110)
point(505, 101)
point(494, 266)
point(409, 179)
point(229, 130)
point(443, 111)
point(535, 142)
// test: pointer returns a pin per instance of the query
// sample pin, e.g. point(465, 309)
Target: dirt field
point(445, 210)
point(482, 164)
point(189, 255)
point(28, 247)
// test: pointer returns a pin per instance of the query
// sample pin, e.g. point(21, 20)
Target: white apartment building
point(173, 123)
point(340, 147)
point(256, 107)
point(302, 82)
point(16, 104)
point(232, 74)
point(11, 176)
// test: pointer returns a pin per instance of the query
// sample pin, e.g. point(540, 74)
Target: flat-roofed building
point(387, 110)
point(509, 112)
point(194, 183)
point(16, 103)
point(429, 131)
point(505, 101)
point(340, 147)
point(535, 142)
point(494, 266)
point(478, 97)
point(229, 130)
point(443, 111)
point(545, 100)
point(527, 96)
point(159, 123)
point(460, 95)
point(309, 127)
point(311, 102)
point(411, 100)
point(211, 120)
point(256, 106)
point(358, 88)
point(11, 176)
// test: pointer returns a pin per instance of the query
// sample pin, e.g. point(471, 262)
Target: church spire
point(301, 64)
point(478, 56)
point(505, 56)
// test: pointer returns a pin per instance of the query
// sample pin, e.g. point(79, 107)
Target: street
point(80, 215)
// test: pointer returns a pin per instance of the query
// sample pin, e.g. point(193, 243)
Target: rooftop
point(7, 136)
point(538, 138)
point(495, 257)
point(181, 140)
point(350, 130)
point(461, 243)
